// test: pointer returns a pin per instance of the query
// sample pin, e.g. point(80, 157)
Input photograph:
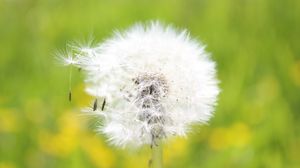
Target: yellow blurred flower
point(175, 148)
point(238, 135)
point(295, 73)
point(99, 154)
point(66, 140)
point(218, 139)
point(8, 121)
point(7, 165)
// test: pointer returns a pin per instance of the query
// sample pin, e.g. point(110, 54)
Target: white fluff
point(156, 80)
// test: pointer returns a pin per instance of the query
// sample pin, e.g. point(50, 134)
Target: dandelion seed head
point(157, 81)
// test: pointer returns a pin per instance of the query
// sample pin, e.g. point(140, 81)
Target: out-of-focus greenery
point(256, 44)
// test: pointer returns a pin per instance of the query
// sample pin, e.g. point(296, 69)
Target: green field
point(256, 44)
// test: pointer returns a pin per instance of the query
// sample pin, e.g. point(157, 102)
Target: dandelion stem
point(156, 161)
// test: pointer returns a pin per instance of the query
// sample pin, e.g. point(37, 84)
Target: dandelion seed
point(70, 96)
point(158, 80)
point(103, 104)
point(95, 105)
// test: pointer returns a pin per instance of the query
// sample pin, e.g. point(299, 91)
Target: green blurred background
point(256, 44)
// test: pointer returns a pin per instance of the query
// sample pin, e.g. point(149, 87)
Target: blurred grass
point(254, 42)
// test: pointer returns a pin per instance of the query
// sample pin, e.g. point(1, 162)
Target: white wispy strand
point(157, 82)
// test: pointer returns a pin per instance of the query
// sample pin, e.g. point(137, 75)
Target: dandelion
point(156, 82)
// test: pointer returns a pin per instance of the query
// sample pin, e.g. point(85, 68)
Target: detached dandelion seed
point(95, 105)
point(103, 104)
point(158, 82)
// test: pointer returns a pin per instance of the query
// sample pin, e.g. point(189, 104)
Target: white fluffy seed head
point(156, 80)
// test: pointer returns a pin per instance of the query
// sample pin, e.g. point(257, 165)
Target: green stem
point(156, 161)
